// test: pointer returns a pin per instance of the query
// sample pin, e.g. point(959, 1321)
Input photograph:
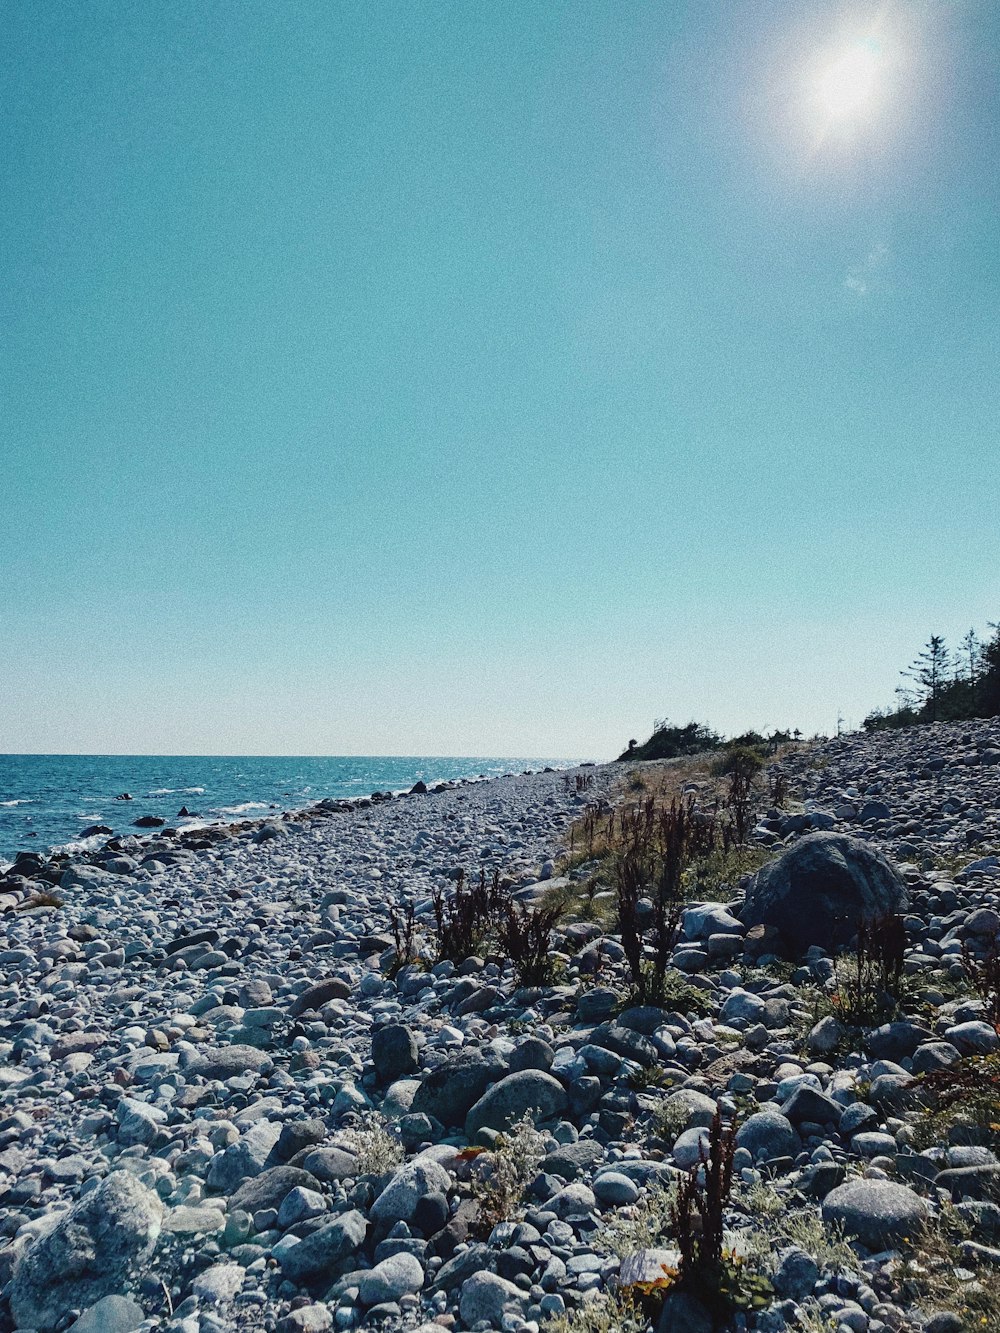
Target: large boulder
point(821, 888)
point(877, 1212)
point(452, 1089)
point(89, 1253)
point(531, 1090)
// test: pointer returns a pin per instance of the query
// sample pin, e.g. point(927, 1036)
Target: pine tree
point(930, 674)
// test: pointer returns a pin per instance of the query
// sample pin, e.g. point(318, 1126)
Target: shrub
point(466, 921)
point(657, 846)
point(870, 981)
point(983, 971)
point(510, 1166)
point(404, 928)
point(526, 939)
point(373, 1145)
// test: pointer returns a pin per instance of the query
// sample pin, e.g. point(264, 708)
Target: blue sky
point(449, 378)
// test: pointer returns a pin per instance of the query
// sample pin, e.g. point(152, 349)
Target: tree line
point(946, 684)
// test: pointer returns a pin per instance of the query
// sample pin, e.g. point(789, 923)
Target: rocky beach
point(241, 1090)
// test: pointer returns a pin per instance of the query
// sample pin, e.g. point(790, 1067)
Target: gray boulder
point(229, 1061)
point(397, 1276)
point(485, 1297)
point(819, 890)
point(111, 1314)
point(767, 1134)
point(530, 1090)
point(411, 1183)
point(394, 1052)
point(325, 1253)
point(449, 1091)
point(88, 1254)
point(877, 1212)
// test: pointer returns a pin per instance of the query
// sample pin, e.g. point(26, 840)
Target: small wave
point(177, 791)
point(27, 800)
point(241, 809)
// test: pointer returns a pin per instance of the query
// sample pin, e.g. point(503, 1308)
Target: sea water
point(47, 800)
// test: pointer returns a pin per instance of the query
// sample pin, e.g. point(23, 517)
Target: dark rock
point(394, 1052)
point(818, 890)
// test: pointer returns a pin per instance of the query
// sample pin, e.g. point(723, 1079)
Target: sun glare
point(849, 85)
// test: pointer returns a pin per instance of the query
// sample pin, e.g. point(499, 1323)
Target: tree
point(930, 674)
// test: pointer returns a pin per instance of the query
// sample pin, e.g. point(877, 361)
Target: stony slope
point(194, 1042)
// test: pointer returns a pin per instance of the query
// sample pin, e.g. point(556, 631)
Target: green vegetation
point(946, 685)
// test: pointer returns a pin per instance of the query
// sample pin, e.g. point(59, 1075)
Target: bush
point(669, 742)
point(526, 939)
point(467, 920)
point(506, 1171)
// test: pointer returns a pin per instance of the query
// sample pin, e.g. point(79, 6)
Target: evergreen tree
point(930, 674)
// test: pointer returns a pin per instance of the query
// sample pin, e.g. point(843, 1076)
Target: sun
point(850, 84)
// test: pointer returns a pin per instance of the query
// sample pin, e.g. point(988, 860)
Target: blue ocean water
point(47, 800)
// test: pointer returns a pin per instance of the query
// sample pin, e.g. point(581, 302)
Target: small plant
point(404, 929)
point(983, 971)
point(643, 1223)
point(608, 1313)
point(718, 1278)
point(373, 1145)
point(870, 981)
point(466, 921)
point(966, 1094)
point(804, 1229)
point(526, 939)
point(658, 845)
point(510, 1166)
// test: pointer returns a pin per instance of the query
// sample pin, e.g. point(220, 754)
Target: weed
point(465, 921)
point(805, 1229)
point(617, 1313)
point(967, 1094)
point(657, 848)
point(375, 1148)
point(510, 1167)
point(404, 928)
point(870, 981)
point(525, 936)
point(643, 1223)
point(983, 970)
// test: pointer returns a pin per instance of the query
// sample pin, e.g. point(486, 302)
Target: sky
point(443, 378)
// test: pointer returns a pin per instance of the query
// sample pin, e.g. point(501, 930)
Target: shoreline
point(85, 847)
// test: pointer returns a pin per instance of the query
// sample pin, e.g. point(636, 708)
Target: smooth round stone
point(616, 1189)
point(877, 1212)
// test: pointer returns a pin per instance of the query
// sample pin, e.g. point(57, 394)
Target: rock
point(399, 1200)
point(335, 988)
point(820, 888)
point(796, 1275)
point(826, 1036)
point(219, 1284)
point(450, 1091)
point(330, 1164)
point(299, 1205)
point(315, 1318)
point(397, 1276)
point(767, 1134)
point(89, 1252)
point(111, 1314)
point(485, 1297)
point(325, 1253)
point(809, 1104)
point(268, 1189)
point(877, 1212)
point(231, 1061)
point(394, 1052)
point(244, 1158)
point(699, 1109)
point(531, 1090)
point(615, 1189)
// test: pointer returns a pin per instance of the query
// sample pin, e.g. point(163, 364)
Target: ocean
point(47, 800)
